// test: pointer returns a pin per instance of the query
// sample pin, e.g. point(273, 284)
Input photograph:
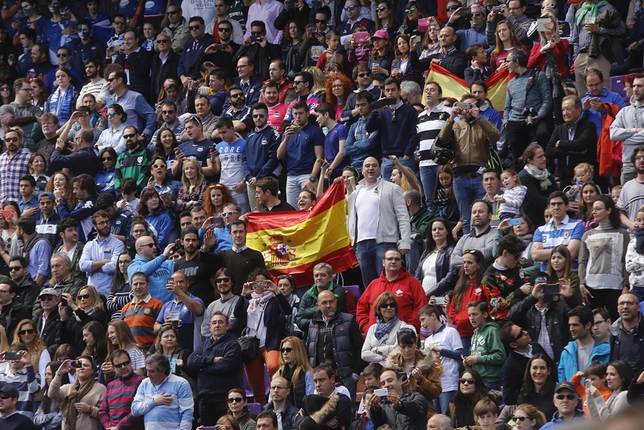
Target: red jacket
point(538, 60)
point(408, 291)
point(459, 317)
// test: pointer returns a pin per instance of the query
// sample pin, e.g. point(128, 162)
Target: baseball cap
point(48, 292)
point(9, 390)
point(565, 385)
point(381, 34)
point(48, 195)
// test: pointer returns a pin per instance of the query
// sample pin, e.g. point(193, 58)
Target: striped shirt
point(117, 404)
point(11, 170)
point(140, 317)
point(176, 416)
point(552, 236)
point(428, 126)
point(26, 381)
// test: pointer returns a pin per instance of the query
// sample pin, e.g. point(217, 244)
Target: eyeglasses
point(167, 112)
point(363, 75)
point(83, 296)
point(151, 245)
point(388, 305)
point(129, 136)
point(61, 55)
point(521, 418)
point(259, 115)
point(229, 213)
point(286, 350)
point(125, 363)
point(236, 96)
point(220, 280)
point(194, 27)
point(476, 14)
point(566, 396)
point(241, 66)
point(119, 22)
point(349, 7)
point(381, 8)
point(172, 12)
point(29, 90)
point(466, 381)
point(320, 21)
point(596, 323)
point(107, 158)
point(110, 80)
point(451, 8)
point(27, 331)
point(410, 10)
point(225, 29)
point(15, 268)
point(235, 400)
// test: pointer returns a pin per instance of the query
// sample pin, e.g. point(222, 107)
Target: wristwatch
point(312, 178)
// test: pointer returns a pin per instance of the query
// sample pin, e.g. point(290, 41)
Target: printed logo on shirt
point(399, 293)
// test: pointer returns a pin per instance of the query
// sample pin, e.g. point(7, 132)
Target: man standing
point(266, 194)
point(27, 289)
point(47, 224)
point(85, 191)
point(583, 349)
point(10, 418)
point(237, 110)
point(197, 148)
point(258, 49)
point(276, 110)
point(163, 399)
point(302, 145)
point(225, 304)
point(362, 77)
point(219, 363)
point(164, 64)
point(40, 65)
point(13, 163)
point(573, 142)
point(139, 113)
point(277, 73)
point(396, 280)
point(265, 11)
point(323, 277)
point(137, 61)
point(278, 408)
point(377, 220)
point(87, 46)
point(334, 140)
point(200, 277)
point(403, 409)
point(193, 49)
point(360, 144)
point(67, 231)
point(115, 412)
point(597, 95)
point(158, 269)
point(21, 112)
point(476, 33)
point(99, 258)
point(352, 10)
point(629, 128)
point(430, 122)
point(64, 55)
point(248, 79)
point(303, 85)
point(625, 344)
point(36, 250)
point(566, 401)
point(45, 146)
point(142, 312)
point(135, 162)
point(221, 12)
point(449, 57)
point(481, 237)
point(120, 218)
point(479, 89)
point(559, 231)
point(230, 162)
point(81, 160)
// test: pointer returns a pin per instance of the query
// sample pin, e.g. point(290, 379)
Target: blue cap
point(48, 195)
point(565, 385)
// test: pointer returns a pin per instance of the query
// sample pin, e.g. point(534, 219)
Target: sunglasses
point(566, 396)
point(363, 75)
point(163, 40)
point(61, 55)
point(320, 21)
point(236, 96)
point(5, 396)
point(296, 83)
point(388, 305)
point(466, 381)
point(158, 166)
point(4, 89)
point(129, 136)
point(410, 10)
point(107, 159)
point(522, 419)
point(259, 115)
point(450, 8)
point(220, 280)
point(83, 296)
point(46, 298)
point(352, 7)
point(27, 331)
point(110, 80)
point(111, 114)
point(15, 268)
point(172, 12)
point(151, 245)
point(194, 27)
point(286, 350)
point(235, 400)
point(225, 29)
point(167, 112)
point(381, 8)
point(125, 363)
point(476, 14)
point(519, 336)
point(229, 213)
point(119, 22)
point(11, 139)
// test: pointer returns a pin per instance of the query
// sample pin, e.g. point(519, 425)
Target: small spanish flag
point(292, 242)
point(453, 86)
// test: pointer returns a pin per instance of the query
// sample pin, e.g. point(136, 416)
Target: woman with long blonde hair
point(506, 41)
point(194, 186)
point(87, 307)
point(296, 369)
point(27, 333)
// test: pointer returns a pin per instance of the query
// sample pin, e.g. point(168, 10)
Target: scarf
point(542, 175)
point(62, 104)
point(552, 71)
point(75, 395)
point(463, 410)
point(639, 236)
point(382, 327)
point(593, 8)
point(258, 300)
point(30, 243)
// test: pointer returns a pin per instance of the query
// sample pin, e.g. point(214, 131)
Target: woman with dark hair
point(381, 338)
point(538, 386)
point(434, 270)
point(79, 402)
point(62, 102)
point(95, 341)
point(155, 213)
point(112, 136)
point(40, 93)
point(286, 285)
point(6, 94)
point(87, 307)
point(560, 269)
point(159, 180)
point(105, 177)
point(120, 289)
point(48, 416)
point(291, 44)
point(619, 375)
point(167, 344)
point(589, 192)
point(539, 181)
point(413, 12)
point(37, 169)
point(403, 67)
point(238, 409)
point(602, 257)
point(381, 53)
point(386, 18)
point(164, 148)
point(468, 289)
point(471, 389)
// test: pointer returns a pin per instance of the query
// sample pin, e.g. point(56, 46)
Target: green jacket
point(308, 305)
point(489, 352)
point(133, 165)
point(419, 221)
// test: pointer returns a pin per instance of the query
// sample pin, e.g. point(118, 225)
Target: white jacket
point(635, 265)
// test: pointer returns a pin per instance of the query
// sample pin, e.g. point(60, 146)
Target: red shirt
point(276, 116)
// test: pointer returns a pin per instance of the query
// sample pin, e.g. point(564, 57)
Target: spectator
point(13, 163)
point(514, 13)
point(238, 409)
point(47, 224)
point(593, 101)
point(11, 420)
point(481, 238)
point(267, 196)
point(295, 368)
point(135, 162)
point(28, 203)
point(62, 101)
point(97, 85)
point(120, 288)
point(119, 336)
point(278, 406)
point(157, 215)
point(142, 312)
point(177, 28)
point(85, 192)
point(565, 400)
point(21, 375)
point(115, 410)
point(618, 377)
point(539, 181)
point(27, 334)
point(337, 404)
point(48, 321)
point(167, 344)
point(189, 66)
point(471, 390)
point(601, 324)
point(156, 268)
point(120, 219)
point(538, 385)
point(76, 313)
point(360, 144)
point(624, 345)
point(476, 34)
point(323, 281)
point(259, 51)
point(486, 355)
point(27, 289)
point(140, 114)
point(221, 12)
point(63, 278)
point(138, 61)
point(48, 415)
point(11, 311)
point(625, 128)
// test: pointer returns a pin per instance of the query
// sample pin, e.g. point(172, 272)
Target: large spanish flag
point(293, 242)
point(453, 86)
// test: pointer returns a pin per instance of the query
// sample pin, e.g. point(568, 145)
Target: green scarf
point(592, 7)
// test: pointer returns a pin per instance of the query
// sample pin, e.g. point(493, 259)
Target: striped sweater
point(26, 381)
point(177, 416)
point(140, 317)
point(116, 407)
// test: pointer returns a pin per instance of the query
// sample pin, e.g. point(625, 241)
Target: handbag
point(249, 346)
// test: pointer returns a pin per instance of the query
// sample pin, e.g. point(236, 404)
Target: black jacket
point(217, 378)
point(411, 413)
point(455, 62)
point(445, 276)
point(638, 344)
point(161, 72)
point(262, 57)
point(584, 140)
point(139, 64)
point(513, 371)
point(49, 333)
point(28, 292)
point(12, 314)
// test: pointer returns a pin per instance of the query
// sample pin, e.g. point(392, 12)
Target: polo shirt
point(300, 153)
point(189, 324)
point(552, 236)
point(140, 317)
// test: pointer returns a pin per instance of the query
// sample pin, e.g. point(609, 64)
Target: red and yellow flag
point(453, 86)
point(293, 242)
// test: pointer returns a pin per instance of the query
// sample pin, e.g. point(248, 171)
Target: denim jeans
point(442, 402)
point(466, 190)
point(639, 292)
point(387, 166)
point(428, 177)
point(628, 173)
point(370, 256)
point(242, 200)
point(294, 185)
point(413, 257)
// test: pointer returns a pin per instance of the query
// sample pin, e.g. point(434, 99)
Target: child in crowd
point(596, 374)
point(635, 257)
point(583, 173)
point(487, 353)
point(446, 343)
point(129, 200)
point(615, 192)
point(486, 413)
point(332, 54)
point(512, 198)
point(444, 201)
point(477, 70)
point(371, 375)
point(358, 48)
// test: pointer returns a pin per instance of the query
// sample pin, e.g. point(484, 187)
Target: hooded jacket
point(568, 361)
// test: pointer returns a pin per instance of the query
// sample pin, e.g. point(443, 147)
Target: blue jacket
point(360, 144)
point(558, 421)
point(163, 224)
point(217, 378)
point(568, 361)
point(158, 271)
point(82, 161)
point(606, 97)
point(261, 153)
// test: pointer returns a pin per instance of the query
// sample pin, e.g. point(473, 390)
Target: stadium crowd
point(500, 248)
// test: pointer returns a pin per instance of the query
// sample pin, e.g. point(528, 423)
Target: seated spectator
point(48, 415)
point(167, 344)
point(119, 336)
point(28, 290)
point(619, 375)
point(21, 375)
point(88, 306)
point(323, 281)
point(295, 368)
point(10, 418)
point(538, 385)
point(95, 341)
point(115, 407)
point(566, 401)
point(471, 390)
point(486, 413)
point(27, 334)
point(12, 311)
point(36, 250)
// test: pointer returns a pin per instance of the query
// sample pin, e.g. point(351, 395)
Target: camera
point(497, 9)
point(256, 39)
point(176, 247)
point(221, 46)
point(529, 113)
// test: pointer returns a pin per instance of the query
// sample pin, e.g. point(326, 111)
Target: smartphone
point(360, 37)
point(466, 14)
point(259, 285)
point(464, 106)
point(297, 129)
point(10, 355)
point(416, 39)
point(219, 47)
point(541, 24)
point(381, 392)
point(256, 39)
point(439, 300)
point(176, 247)
point(63, 302)
point(6, 213)
point(382, 103)
point(551, 289)
point(74, 364)
point(514, 221)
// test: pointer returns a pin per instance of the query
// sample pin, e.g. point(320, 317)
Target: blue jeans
point(413, 257)
point(493, 385)
point(242, 200)
point(466, 190)
point(294, 185)
point(428, 177)
point(639, 292)
point(442, 403)
point(370, 255)
point(387, 166)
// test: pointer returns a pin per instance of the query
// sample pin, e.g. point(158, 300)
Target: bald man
point(157, 267)
point(280, 403)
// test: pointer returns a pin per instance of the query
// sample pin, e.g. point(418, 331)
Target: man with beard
point(481, 237)
point(40, 65)
point(13, 165)
point(200, 276)
point(139, 113)
point(631, 198)
point(225, 305)
point(96, 85)
point(115, 411)
point(198, 148)
point(238, 111)
point(221, 53)
point(100, 256)
point(82, 158)
point(277, 73)
point(36, 250)
point(628, 128)
point(276, 110)
point(86, 47)
point(27, 289)
point(49, 125)
point(135, 162)
point(21, 112)
point(207, 118)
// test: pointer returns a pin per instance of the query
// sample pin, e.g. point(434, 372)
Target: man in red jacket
point(396, 280)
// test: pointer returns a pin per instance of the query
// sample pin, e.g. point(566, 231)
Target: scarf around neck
point(75, 395)
point(382, 327)
point(542, 175)
point(61, 104)
point(593, 8)
point(257, 300)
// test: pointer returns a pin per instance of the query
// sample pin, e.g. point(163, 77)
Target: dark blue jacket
point(288, 414)
point(274, 307)
point(217, 378)
point(188, 65)
point(82, 161)
point(261, 153)
point(396, 138)
point(82, 52)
